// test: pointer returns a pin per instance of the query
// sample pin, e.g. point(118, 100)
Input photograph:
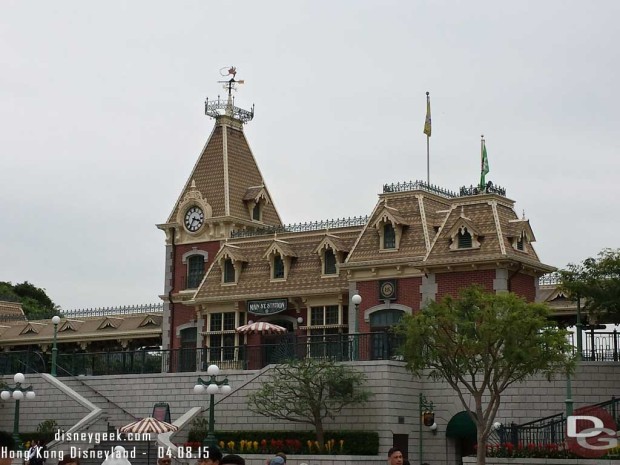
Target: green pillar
point(16, 425)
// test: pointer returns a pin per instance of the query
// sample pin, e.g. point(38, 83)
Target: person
point(232, 459)
point(35, 453)
point(395, 456)
point(214, 458)
point(164, 461)
point(279, 459)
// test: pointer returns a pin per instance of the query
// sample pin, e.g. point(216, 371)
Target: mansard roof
point(432, 219)
point(225, 174)
point(304, 277)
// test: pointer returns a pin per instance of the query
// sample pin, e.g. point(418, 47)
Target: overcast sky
point(102, 119)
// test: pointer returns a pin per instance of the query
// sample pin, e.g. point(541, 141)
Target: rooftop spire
point(218, 108)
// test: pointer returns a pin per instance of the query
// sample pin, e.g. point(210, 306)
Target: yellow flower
point(341, 444)
point(221, 444)
point(231, 445)
point(241, 445)
point(255, 444)
point(309, 442)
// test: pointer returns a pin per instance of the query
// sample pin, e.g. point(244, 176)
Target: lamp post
point(427, 418)
point(356, 300)
point(18, 392)
point(55, 320)
point(213, 386)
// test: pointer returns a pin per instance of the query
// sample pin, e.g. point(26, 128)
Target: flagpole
point(427, 131)
point(482, 162)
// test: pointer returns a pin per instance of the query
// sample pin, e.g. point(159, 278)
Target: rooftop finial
point(218, 108)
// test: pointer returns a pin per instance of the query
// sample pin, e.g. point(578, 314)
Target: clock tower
point(224, 192)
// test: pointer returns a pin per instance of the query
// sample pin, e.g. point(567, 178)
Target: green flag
point(484, 167)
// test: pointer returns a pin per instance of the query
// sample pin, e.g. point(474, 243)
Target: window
point(195, 271)
point(256, 212)
point(464, 239)
point(521, 243)
point(327, 342)
point(329, 264)
point(223, 346)
point(389, 236)
point(278, 267)
point(229, 271)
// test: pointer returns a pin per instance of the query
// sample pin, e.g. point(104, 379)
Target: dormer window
point(389, 224)
point(280, 255)
point(389, 236)
point(231, 260)
point(464, 239)
point(278, 267)
point(256, 212)
point(520, 243)
point(464, 235)
point(329, 262)
point(229, 271)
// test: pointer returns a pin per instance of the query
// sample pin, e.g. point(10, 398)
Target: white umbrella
point(261, 327)
point(148, 425)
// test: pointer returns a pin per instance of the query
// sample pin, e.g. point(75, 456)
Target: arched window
point(278, 267)
point(329, 262)
point(389, 236)
point(195, 271)
point(229, 271)
point(464, 238)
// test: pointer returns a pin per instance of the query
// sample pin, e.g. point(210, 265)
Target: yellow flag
point(427, 122)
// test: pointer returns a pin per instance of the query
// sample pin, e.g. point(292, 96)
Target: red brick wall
point(451, 283)
point(407, 292)
point(524, 286)
point(181, 313)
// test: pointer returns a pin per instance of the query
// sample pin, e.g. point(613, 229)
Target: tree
point(482, 343)
point(35, 302)
point(597, 282)
point(308, 391)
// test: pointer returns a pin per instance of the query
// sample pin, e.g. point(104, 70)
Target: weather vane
point(226, 107)
point(230, 84)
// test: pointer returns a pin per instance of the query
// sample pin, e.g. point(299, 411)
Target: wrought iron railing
point(339, 347)
point(549, 279)
point(418, 185)
point(489, 188)
point(303, 227)
point(121, 310)
point(548, 430)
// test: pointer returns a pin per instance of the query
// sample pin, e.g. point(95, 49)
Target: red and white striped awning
point(261, 327)
point(148, 425)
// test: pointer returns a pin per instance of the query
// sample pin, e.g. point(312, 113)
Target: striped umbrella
point(261, 327)
point(148, 425)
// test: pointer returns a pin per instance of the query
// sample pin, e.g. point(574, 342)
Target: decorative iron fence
point(338, 347)
point(418, 185)
point(303, 227)
point(121, 310)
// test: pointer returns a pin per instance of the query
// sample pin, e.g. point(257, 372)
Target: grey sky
point(102, 120)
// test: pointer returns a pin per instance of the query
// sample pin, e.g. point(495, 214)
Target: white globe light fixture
point(19, 378)
point(18, 393)
point(5, 395)
point(55, 319)
point(212, 386)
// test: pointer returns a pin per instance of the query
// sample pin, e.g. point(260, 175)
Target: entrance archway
point(462, 429)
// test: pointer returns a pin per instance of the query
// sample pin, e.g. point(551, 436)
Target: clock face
point(194, 218)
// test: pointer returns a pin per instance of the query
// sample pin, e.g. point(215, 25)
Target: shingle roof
point(304, 277)
point(225, 173)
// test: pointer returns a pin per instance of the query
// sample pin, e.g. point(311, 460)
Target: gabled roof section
point(256, 193)
point(464, 222)
point(150, 320)
point(224, 173)
point(231, 251)
point(32, 328)
point(387, 214)
point(335, 243)
point(281, 247)
point(70, 325)
point(110, 322)
point(518, 226)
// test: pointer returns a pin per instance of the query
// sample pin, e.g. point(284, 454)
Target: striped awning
point(148, 425)
point(261, 327)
